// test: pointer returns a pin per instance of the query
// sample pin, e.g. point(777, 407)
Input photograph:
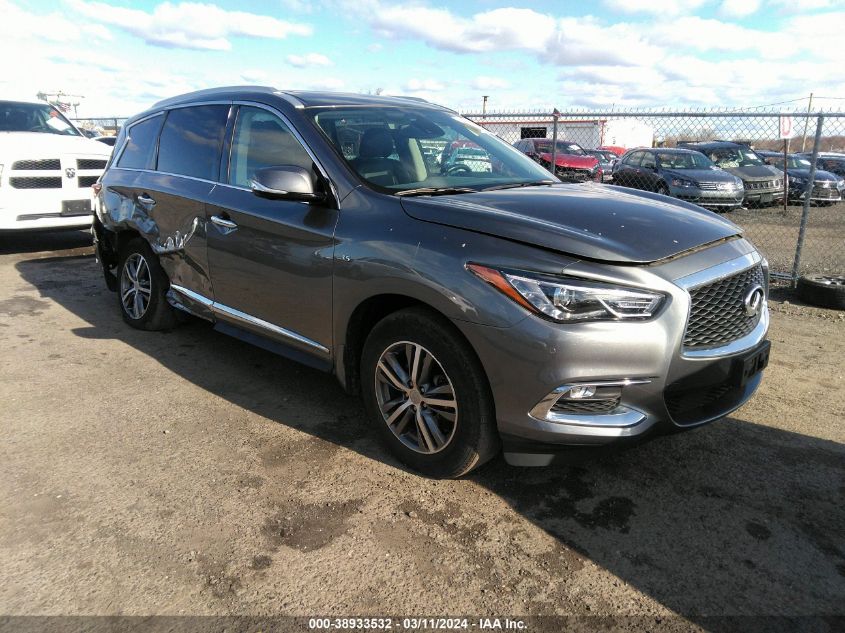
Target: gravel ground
point(188, 473)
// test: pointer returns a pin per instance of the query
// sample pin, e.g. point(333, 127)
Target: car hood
point(702, 175)
point(805, 173)
point(754, 172)
point(571, 160)
point(591, 221)
point(41, 145)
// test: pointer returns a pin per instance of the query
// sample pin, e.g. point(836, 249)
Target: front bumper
point(529, 362)
point(33, 209)
point(728, 198)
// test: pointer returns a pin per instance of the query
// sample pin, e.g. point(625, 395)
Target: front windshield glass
point(398, 149)
point(735, 157)
point(683, 160)
point(33, 117)
point(792, 162)
point(562, 148)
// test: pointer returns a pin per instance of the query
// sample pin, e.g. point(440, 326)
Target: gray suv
point(474, 309)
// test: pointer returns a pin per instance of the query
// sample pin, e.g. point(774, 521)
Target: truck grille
point(38, 165)
point(87, 181)
point(90, 163)
point(717, 314)
point(36, 182)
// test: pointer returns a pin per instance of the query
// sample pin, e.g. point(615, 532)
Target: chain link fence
point(777, 175)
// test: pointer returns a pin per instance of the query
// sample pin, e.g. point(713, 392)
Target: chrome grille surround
point(739, 337)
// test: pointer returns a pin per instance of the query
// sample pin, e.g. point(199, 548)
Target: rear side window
point(634, 159)
point(648, 160)
point(191, 139)
point(141, 144)
point(263, 140)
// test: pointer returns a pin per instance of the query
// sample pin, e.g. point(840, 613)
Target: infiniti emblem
point(70, 172)
point(754, 301)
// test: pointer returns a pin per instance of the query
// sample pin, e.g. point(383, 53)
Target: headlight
point(795, 180)
point(681, 182)
point(570, 300)
point(738, 183)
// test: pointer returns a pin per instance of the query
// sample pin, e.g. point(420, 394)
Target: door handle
point(223, 222)
point(146, 200)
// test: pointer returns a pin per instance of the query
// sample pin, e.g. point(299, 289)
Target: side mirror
point(285, 182)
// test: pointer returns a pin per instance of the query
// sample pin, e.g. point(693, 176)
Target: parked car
point(832, 162)
point(682, 173)
point(47, 168)
point(763, 183)
point(619, 151)
point(471, 309)
point(827, 187)
point(474, 158)
point(606, 161)
point(573, 164)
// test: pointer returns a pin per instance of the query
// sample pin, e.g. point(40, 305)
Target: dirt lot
point(189, 473)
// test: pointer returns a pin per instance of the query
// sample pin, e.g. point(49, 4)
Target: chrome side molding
point(247, 319)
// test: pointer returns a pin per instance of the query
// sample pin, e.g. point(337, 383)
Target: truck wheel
point(823, 290)
point(142, 288)
point(427, 394)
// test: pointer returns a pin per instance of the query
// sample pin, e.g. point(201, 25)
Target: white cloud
point(424, 85)
point(375, 47)
point(705, 34)
point(801, 6)
point(739, 8)
point(483, 82)
point(656, 7)
point(188, 24)
point(53, 27)
point(309, 59)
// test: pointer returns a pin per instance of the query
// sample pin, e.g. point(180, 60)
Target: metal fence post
point(805, 214)
point(554, 142)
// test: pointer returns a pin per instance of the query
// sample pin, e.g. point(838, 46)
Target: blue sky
point(123, 55)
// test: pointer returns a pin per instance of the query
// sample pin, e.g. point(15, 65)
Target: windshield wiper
point(515, 185)
point(435, 191)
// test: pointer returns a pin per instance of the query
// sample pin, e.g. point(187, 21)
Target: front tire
point(427, 394)
point(142, 288)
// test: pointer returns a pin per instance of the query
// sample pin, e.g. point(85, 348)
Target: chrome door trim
point(248, 319)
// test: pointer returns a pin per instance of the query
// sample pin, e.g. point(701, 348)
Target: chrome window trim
point(711, 275)
point(243, 317)
point(296, 103)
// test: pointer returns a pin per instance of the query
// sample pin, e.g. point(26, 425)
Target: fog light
point(581, 391)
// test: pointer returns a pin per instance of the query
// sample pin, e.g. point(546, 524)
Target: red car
point(613, 148)
point(572, 163)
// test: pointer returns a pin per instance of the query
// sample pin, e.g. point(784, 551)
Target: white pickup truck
point(47, 168)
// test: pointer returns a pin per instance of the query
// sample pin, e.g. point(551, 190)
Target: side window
point(141, 144)
point(262, 140)
point(634, 159)
point(191, 139)
point(648, 161)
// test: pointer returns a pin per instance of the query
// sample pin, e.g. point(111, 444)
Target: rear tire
point(663, 190)
point(440, 419)
point(142, 288)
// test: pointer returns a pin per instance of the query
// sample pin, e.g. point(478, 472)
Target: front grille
point(36, 182)
point(708, 186)
point(39, 165)
point(764, 184)
point(578, 175)
point(87, 181)
point(717, 314)
point(90, 163)
point(585, 406)
point(688, 406)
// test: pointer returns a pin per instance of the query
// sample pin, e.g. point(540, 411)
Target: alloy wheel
point(135, 286)
point(416, 397)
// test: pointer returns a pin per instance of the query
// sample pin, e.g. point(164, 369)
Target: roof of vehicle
point(667, 150)
point(300, 98)
point(699, 145)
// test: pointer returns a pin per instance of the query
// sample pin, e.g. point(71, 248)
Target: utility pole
point(806, 121)
point(484, 105)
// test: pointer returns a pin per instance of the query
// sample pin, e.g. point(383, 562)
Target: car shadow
point(37, 241)
point(734, 519)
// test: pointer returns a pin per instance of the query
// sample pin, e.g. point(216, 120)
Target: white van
point(47, 168)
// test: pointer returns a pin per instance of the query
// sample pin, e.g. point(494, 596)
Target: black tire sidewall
point(818, 293)
point(160, 314)
point(475, 440)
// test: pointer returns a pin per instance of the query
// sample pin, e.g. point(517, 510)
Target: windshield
point(735, 157)
point(398, 149)
point(682, 160)
point(33, 117)
point(562, 148)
